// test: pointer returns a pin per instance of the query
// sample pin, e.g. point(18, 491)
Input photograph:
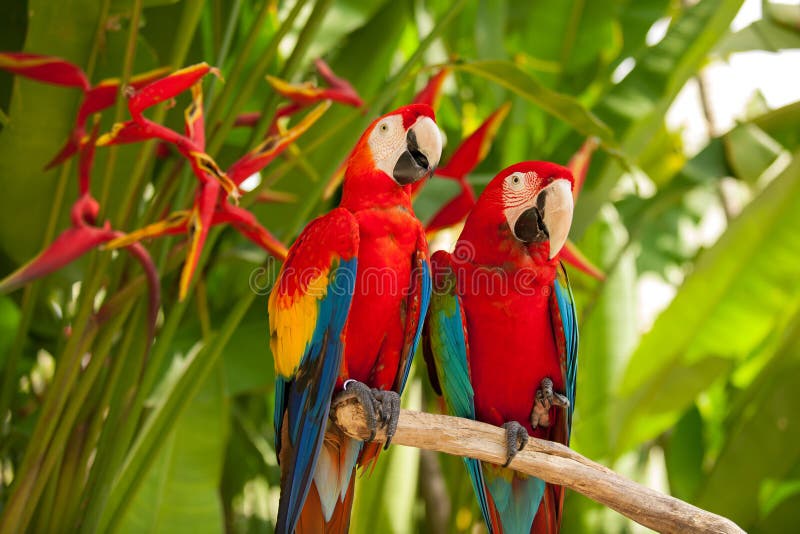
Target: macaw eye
point(515, 182)
point(384, 127)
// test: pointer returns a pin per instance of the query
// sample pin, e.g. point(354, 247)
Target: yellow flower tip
point(183, 289)
point(108, 138)
point(278, 84)
point(217, 74)
point(119, 242)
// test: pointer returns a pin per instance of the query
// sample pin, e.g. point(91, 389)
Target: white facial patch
point(518, 194)
point(387, 142)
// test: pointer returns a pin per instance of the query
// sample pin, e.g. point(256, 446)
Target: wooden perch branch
point(549, 461)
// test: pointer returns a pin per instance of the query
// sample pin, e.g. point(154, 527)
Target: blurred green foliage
point(705, 403)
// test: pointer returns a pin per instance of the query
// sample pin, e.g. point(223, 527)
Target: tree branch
point(547, 460)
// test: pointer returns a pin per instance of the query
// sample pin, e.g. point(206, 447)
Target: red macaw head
point(396, 150)
point(531, 203)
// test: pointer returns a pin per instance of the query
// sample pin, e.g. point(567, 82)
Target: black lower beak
point(530, 227)
point(412, 165)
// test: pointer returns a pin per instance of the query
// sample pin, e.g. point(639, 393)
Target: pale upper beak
point(423, 150)
point(549, 218)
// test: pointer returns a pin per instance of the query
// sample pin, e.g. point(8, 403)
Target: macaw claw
point(516, 439)
point(382, 408)
point(545, 399)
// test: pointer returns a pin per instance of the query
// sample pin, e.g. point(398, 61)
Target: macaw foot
point(516, 439)
point(382, 408)
point(545, 398)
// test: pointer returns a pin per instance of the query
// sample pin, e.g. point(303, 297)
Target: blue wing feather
point(425, 299)
point(569, 321)
point(306, 398)
point(306, 326)
point(446, 350)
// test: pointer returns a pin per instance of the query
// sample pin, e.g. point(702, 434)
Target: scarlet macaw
point(347, 313)
point(501, 337)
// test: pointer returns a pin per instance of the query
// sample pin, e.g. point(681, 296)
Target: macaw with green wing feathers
point(501, 336)
point(346, 313)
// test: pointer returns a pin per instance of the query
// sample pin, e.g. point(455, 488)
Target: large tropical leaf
point(180, 492)
point(609, 334)
point(759, 455)
point(634, 109)
point(739, 291)
point(510, 76)
point(40, 119)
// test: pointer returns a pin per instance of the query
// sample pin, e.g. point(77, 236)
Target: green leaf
point(344, 18)
point(126, 5)
point(683, 454)
point(187, 381)
point(577, 31)
point(13, 26)
point(636, 17)
point(180, 492)
point(664, 157)
point(41, 118)
point(781, 125)
point(763, 34)
point(740, 290)
point(248, 362)
point(761, 445)
point(634, 109)
point(9, 320)
point(608, 335)
point(780, 502)
point(750, 151)
point(566, 108)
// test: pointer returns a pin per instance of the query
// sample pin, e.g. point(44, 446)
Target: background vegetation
point(100, 433)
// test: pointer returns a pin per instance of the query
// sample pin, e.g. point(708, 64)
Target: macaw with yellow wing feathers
point(346, 313)
point(501, 336)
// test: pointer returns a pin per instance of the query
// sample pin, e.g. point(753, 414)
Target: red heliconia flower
point(432, 92)
point(100, 97)
point(57, 71)
point(572, 255)
point(82, 237)
point(210, 206)
point(249, 119)
point(272, 146)
point(247, 224)
point(191, 145)
point(466, 157)
point(44, 69)
point(305, 94)
point(454, 212)
point(579, 164)
point(474, 148)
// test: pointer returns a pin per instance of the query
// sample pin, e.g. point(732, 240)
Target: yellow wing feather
point(292, 320)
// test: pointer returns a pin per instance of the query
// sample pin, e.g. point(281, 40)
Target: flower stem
point(119, 109)
point(244, 92)
point(304, 41)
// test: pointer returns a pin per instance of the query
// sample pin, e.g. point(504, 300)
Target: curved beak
point(423, 150)
point(549, 219)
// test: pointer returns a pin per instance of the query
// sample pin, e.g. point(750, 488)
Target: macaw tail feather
point(312, 518)
point(330, 498)
point(369, 457)
point(513, 499)
point(548, 517)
